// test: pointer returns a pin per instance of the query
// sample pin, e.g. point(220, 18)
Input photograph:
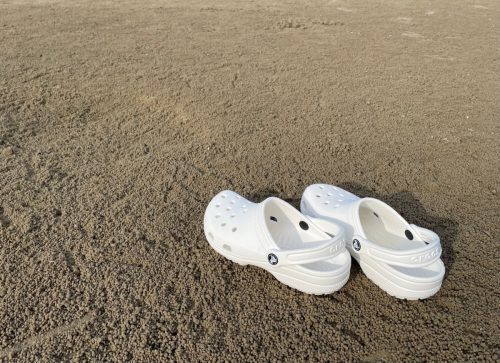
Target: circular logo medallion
point(356, 245)
point(272, 258)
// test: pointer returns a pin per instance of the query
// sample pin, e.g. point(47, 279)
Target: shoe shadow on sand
point(405, 203)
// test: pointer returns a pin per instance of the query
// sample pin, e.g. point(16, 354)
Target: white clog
point(402, 259)
point(278, 238)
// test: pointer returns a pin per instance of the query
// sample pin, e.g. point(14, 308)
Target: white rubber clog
point(278, 238)
point(402, 259)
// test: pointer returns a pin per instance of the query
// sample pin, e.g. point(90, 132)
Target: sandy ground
point(119, 121)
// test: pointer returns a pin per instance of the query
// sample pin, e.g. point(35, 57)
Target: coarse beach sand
point(119, 120)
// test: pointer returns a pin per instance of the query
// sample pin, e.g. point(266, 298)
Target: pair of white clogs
point(311, 250)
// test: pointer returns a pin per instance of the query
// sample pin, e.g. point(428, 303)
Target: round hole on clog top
point(376, 215)
point(233, 201)
point(321, 187)
point(326, 202)
point(228, 209)
point(318, 196)
point(304, 225)
point(274, 219)
point(223, 224)
point(329, 194)
point(232, 215)
point(217, 205)
point(234, 229)
point(223, 196)
point(217, 216)
point(409, 235)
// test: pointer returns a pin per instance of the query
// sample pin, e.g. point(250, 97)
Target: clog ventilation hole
point(230, 208)
point(330, 195)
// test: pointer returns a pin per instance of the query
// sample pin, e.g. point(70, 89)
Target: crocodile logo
point(356, 245)
point(272, 258)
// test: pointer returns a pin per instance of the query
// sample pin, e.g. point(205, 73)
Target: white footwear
point(278, 238)
point(402, 259)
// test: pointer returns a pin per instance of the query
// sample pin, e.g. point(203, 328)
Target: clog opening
point(288, 227)
point(384, 226)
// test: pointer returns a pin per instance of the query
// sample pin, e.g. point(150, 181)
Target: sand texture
point(119, 120)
